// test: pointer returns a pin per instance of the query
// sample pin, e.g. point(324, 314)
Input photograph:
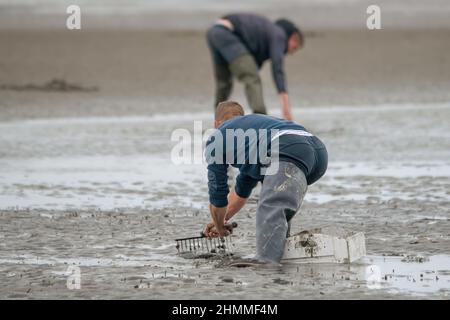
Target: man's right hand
point(211, 230)
point(218, 216)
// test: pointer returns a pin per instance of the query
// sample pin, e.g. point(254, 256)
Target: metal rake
point(202, 245)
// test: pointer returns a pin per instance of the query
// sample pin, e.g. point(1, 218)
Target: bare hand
point(285, 106)
point(209, 229)
point(220, 233)
point(287, 115)
point(212, 232)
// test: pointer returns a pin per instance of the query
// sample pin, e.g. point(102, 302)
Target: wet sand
point(98, 193)
point(86, 177)
point(130, 254)
point(142, 72)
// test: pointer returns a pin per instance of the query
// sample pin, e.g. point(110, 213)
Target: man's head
point(295, 36)
point(227, 110)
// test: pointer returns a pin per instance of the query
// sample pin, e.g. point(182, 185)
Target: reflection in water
point(418, 275)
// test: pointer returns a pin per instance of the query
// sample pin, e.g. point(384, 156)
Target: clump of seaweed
point(54, 85)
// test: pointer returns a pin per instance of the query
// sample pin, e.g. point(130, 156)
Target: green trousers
point(244, 69)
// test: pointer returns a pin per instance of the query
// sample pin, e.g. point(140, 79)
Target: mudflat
point(86, 177)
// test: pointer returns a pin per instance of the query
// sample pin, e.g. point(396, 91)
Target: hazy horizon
point(196, 14)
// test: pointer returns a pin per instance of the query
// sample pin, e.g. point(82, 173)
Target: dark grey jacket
point(265, 40)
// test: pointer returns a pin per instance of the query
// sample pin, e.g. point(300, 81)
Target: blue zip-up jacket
point(293, 148)
point(265, 40)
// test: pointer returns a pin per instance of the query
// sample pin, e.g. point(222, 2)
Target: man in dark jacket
point(299, 159)
point(240, 44)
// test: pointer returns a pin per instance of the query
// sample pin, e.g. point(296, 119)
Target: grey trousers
point(232, 59)
point(244, 69)
point(280, 198)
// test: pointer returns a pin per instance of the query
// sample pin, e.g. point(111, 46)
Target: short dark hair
point(290, 28)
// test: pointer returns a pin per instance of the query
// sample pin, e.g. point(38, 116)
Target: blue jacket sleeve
point(218, 184)
point(244, 185)
point(277, 48)
point(217, 170)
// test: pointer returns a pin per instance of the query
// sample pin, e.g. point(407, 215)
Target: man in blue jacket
point(240, 43)
point(299, 159)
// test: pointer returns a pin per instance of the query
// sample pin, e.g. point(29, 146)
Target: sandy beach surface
point(86, 177)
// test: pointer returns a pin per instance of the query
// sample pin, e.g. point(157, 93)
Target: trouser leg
point(280, 199)
point(244, 68)
point(224, 83)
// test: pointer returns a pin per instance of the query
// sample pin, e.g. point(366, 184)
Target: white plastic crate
point(315, 246)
